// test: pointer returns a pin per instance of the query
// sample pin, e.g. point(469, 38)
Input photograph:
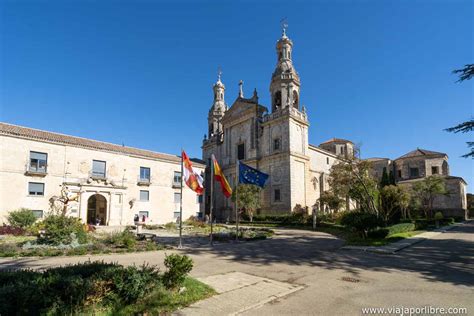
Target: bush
point(10, 230)
point(60, 291)
point(178, 267)
point(360, 222)
point(22, 218)
point(61, 229)
point(124, 239)
point(378, 234)
point(438, 216)
point(401, 228)
point(194, 221)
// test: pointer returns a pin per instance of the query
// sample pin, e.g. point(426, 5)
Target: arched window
point(295, 99)
point(280, 55)
point(222, 96)
point(289, 55)
point(277, 101)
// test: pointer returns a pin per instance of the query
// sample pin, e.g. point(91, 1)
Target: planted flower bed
point(247, 234)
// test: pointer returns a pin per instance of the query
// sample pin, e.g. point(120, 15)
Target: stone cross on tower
point(284, 26)
point(219, 73)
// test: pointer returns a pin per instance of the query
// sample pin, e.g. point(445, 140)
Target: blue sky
point(140, 72)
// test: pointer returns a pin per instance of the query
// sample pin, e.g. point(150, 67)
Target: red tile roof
point(39, 135)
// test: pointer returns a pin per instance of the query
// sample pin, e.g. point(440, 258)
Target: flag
point(249, 175)
point(191, 176)
point(219, 176)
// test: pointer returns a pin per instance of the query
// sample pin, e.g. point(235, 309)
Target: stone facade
point(275, 142)
point(419, 164)
point(123, 190)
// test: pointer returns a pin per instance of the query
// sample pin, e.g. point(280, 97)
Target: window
point(240, 151)
point(276, 144)
point(276, 101)
point(38, 161)
point(98, 168)
point(434, 170)
point(177, 178)
point(177, 198)
point(35, 188)
point(327, 160)
point(38, 213)
point(143, 213)
point(144, 174)
point(276, 195)
point(199, 199)
point(144, 195)
point(414, 172)
point(295, 99)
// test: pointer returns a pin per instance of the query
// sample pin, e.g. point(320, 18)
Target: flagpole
point(236, 201)
point(181, 206)
point(212, 198)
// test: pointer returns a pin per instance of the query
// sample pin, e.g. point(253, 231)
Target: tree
point(385, 179)
point(404, 202)
point(426, 190)
point(351, 178)
point(330, 199)
point(248, 198)
point(465, 73)
point(389, 196)
point(393, 199)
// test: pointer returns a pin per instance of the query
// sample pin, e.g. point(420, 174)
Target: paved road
point(437, 272)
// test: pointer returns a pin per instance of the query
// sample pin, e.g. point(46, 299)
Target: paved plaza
point(304, 272)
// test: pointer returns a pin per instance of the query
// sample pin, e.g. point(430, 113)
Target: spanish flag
point(191, 176)
point(219, 176)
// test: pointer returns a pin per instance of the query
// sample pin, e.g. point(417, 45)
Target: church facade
point(273, 140)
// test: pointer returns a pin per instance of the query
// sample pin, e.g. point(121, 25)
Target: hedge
point(401, 228)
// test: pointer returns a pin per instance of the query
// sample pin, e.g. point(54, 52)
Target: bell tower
point(285, 84)
point(218, 108)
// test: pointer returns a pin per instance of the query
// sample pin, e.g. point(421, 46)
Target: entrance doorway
point(97, 210)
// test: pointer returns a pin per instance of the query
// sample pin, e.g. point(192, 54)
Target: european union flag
point(249, 175)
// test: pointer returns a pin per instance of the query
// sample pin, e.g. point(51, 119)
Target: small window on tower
point(241, 151)
point(295, 99)
point(276, 195)
point(276, 144)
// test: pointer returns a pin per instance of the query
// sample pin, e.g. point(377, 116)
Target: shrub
point(438, 216)
point(22, 218)
point(61, 229)
point(195, 222)
point(360, 222)
point(378, 234)
point(401, 228)
point(59, 291)
point(10, 230)
point(124, 239)
point(178, 267)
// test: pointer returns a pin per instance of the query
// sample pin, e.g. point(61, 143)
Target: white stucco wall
point(72, 165)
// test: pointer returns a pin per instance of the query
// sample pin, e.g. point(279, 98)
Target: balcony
point(35, 171)
point(143, 181)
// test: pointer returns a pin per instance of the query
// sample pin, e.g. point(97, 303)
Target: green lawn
point(162, 301)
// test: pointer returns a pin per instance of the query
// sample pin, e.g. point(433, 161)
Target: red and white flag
point(192, 176)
